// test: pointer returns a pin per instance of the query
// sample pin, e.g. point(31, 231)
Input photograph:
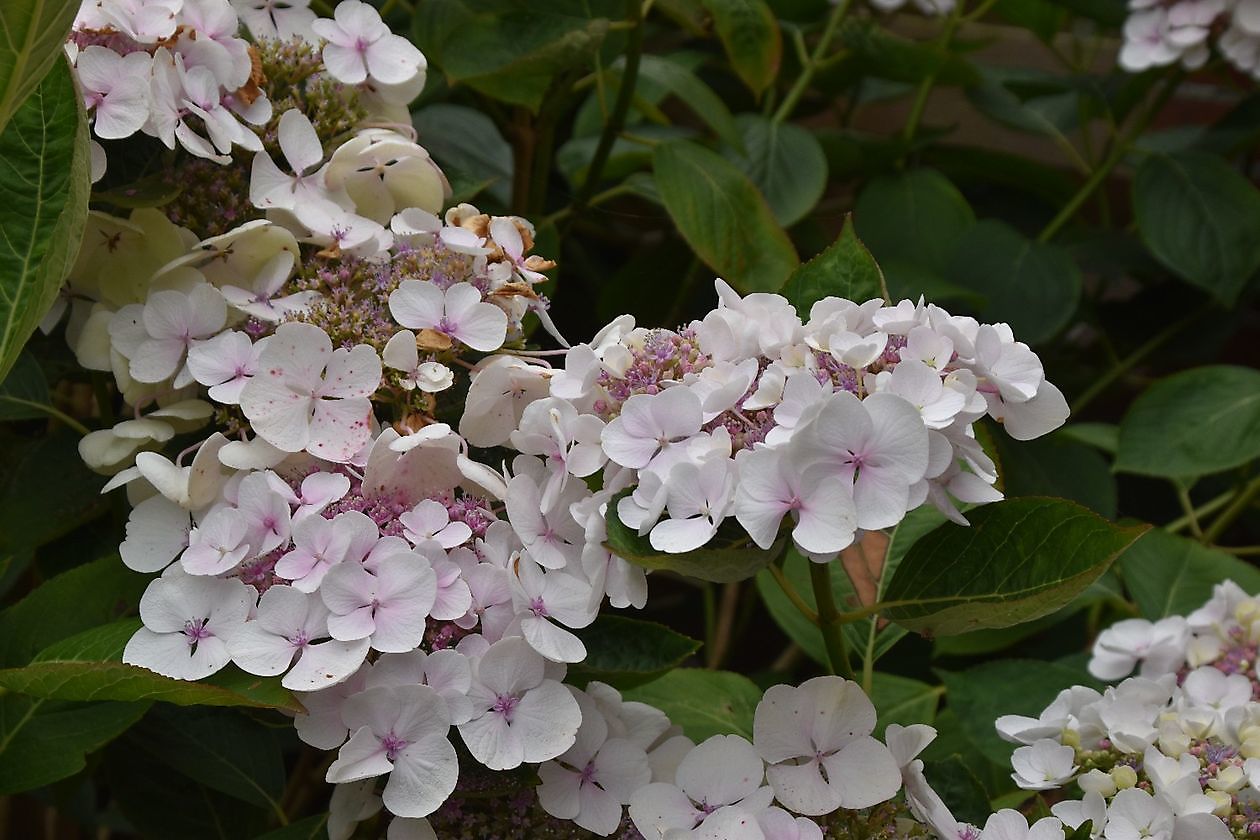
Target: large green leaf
point(43, 204)
point(1197, 422)
point(1030, 285)
point(903, 700)
point(1019, 559)
point(47, 493)
point(703, 702)
point(1199, 217)
point(42, 742)
point(219, 748)
point(1058, 466)
point(88, 666)
point(78, 600)
point(980, 695)
point(786, 163)
point(32, 33)
point(695, 94)
point(912, 223)
point(845, 269)
point(717, 563)
point(750, 35)
point(507, 51)
point(467, 145)
point(723, 217)
point(624, 652)
point(1170, 575)
point(24, 392)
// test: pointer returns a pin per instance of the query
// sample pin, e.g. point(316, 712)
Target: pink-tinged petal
point(560, 791)
point(339, 428)
point(621, 768)
point(510, 667)
point(880, 498)
point(492, 742)
point(677, 412)
point(1042, 414)
point(298, 141)
point(827, 521)
point(352, 373)
point(802, 788)
point(362, 757)
point(325, 664)
point(268, 186)
point(780, 728)
point(417, 304)
point(424, 775)
point(675, 536)
point(260, 651)
point(157, 359)
point(600, 811)
point(393, 60)
point(553, 642)
point(483, 327)
point(721, 771)
point(864, 773)
point(546, 720)
point(157, 531)
point(658, 807)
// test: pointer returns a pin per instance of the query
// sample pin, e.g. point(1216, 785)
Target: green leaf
point(503, 50)
point(723, 217)
point(1163, 433)
point(1036, 115)
point(32, 33)
point(1199, 217)
point(912, 222)
point(903, 700)
point(959, 788)
point(43, 203)
point(469, 148)
point(693, 93)
point(1171, 575)
point(310, 828)
point(862, 636)
point(1032, 286)
point(48, 493)
point(785, 161)
point(1020, 559)
point(873, 50)
point(83, 598)
point(1042, 17)
point(750, 35)
point(980, 695)
point(845, 269)
point(1104, 437)
point(42, 742)
point(624, 652)
point(703, 703)
point(1058, 466)
point(723, 564)
point(24, 392)
point(221, 749)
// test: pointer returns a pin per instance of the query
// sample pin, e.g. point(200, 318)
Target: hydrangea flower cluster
point(322, 385)
point(1159, 33)
point(1173, 753)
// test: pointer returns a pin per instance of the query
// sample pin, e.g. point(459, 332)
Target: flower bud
point(1124, 776)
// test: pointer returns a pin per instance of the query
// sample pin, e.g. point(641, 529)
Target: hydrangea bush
point(369, 475)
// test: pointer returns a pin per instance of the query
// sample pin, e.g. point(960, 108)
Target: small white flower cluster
point(843, 422)
point(1172, 754)
point(1159, 33)
point(178, 70)
point(931, 8)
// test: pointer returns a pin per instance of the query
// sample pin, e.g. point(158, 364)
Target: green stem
point(725, 623)
point(1183, 496)
point(811, 66)
point(1125, 365)
point(927, 82)
point(1241, 502)
point(1200, 512)
point(789, 590)
point(51, 411)
point(621, 106)
point(1118, 150)
point(1240, 551)
point(829, 619)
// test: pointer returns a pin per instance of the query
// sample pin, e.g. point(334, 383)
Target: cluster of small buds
point(1173, 753)
point(845, 421)
point(1159, 33)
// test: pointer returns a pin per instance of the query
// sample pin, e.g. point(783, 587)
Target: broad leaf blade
point(750, 35)
point(1163, 433)
point(846, 269)
point(723, 217)
point(624, 652)
point(1171, 575)
point(1019, 560)
point(785, 161)
point(43, 205)
point(32, 33)
point(702, 702)
point(1199, 217)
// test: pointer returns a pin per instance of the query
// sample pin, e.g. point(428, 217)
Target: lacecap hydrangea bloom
point(348, 472)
